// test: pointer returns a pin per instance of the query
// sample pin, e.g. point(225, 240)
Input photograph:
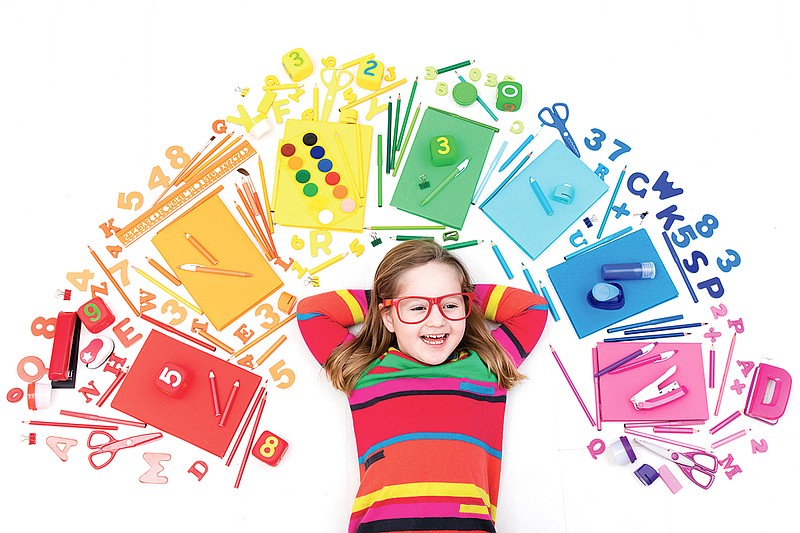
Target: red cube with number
point(269, 448)
point(95, 315)
point(172, 379)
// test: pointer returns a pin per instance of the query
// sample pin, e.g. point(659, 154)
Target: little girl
point(426, 380)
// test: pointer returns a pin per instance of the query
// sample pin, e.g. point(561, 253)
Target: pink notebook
point(616, 388)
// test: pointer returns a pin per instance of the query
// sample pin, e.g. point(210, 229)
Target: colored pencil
point(481, 102)
point(539, 193)
point(725, 375)
point(212, 379)
point(164, 272)
point(729, 438)
point(326, 264)
point(177, 332)
point(229, 403)
point(405, 140)
point(645, 323)
point(516, 152)
point(550, 305)
point(395, 133)
point(405, 117)
point(519, 165)
point(730, 418)
point(462, 244)
point(98, 418)
point(373, 94)
point(263, 336)
point(169, 291)
point(529, 279)
point(114, 282)
point(413, 238)
point(601, 242)
point(270, 350)
point(572, 386)
point(114, 384)
point(380, 170)
point(455, 66)
point(679, 264)
point(663, 328)
point(207, 336)
point(647, 337)
point(402, 228)
point(389, 137)
point(611, 202)
point(502, 260)
point(711, 366)
point(486, 176)
point(246, 423)
point(105, 427)
point(200, 248)
point(268, 210)
point(252, 439)
point(672, 429)
point(662, 439)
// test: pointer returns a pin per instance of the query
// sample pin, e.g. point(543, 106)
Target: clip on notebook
point(657, 393)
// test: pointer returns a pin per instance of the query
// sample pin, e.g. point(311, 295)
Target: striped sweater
point(429, 438)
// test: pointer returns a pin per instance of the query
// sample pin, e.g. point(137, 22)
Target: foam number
point(727, 264)
point(349, 95)
point(441, 88)
point(596, 142)
point(356, 247)
point(370, 74)
point(475, 74)
point(174, 308)
point(269, 315)
point(279, 372)
point(329, 61)
point(80, 280)
point(491, 80)
point(297, 64)
point(131, 201)
point(158, 178)
point(44, 327)
point(686, 234)
point(177, 157)
point(430, 73)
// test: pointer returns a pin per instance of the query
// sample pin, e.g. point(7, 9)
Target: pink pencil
point(725, 375)
point(662, 439)
point(711, 364)
point(729, 438)
point(572, 386)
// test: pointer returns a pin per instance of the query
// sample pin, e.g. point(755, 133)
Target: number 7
point(623, 148)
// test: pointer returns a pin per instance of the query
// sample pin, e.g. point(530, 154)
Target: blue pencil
point(485, 179)
point(611, 203)
point(646, 337)
point(528, 277)
point(483, 104)
point(519, 166)
point(601, 242)
point(549, 301)
point(502, 260)
point(652, 322)
point(663, 328)
point(518, 151)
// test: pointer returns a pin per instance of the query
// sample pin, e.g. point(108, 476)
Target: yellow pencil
point(266, 196)
point(373, 94)
point(261, 337)
point(357, 61)
point(270, 350)
point(316, 102)
point(326, 264)
point(349, 169)
point(166, 289)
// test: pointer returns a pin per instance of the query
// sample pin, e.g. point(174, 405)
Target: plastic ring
point(35, 361)
point(15, 395)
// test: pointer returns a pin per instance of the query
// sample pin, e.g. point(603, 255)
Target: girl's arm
point(323, 319)
point(521, 316)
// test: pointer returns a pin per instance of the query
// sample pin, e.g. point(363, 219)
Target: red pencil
point(228, 404)
point(114, 384)
point(250, 414)
point(250, 442)
point(88, 416)
point(69, 425)
point(214, 396)
point(178, 332)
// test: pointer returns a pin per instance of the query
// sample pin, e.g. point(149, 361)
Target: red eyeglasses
point(415, 309)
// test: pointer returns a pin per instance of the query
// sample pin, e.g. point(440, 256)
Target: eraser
point(669, 479)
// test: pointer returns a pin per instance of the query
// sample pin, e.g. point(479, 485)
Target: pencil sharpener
point(172, 379)
point(564, 193)
point(269, 448)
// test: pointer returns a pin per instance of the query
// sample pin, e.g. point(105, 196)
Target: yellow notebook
point(222, 298)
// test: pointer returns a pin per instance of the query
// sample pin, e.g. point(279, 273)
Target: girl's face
point(435, 338)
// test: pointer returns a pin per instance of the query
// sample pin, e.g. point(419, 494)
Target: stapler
point(657, 393)
point(769, 393)
point(64, 355)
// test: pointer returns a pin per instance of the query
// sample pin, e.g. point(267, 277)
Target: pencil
point(268, 208)
point(207, 336)
point(645, 323)
point(315, 106)
point(572, 386)
point(502, 260)
point(252, 439)
point(326, 264)
point(486, 176)
point(105, 427)
point(405, 117)
point(246, 423)
point(663, 328)
point(413, 238)
point(463, 244)
point(200, 248)
point(550, 305)
point(264, 248)
point(453, 175)
point(401, 228)
point(270, 350)
point(259, 234)
point(519, 165)
point(373, 94)
point(229, 403)
point(711, 366)
point(529, 279)
point(355, 62)
point(647, 337)
point(671, 429)
point(362, 182)
point(114, 384)
point(178, 332)
point(725, 375)
point(263, 336)
point(611, 202)
point(380, 170)
point(405, 140)
point(662, 439)
point(396, 131)
point(601, 242)
point(455, 66)
point(169, 291)
point(214, 396)
point(114, 282)
point(191, 267)
point(516, 152)
point(164, 272)
point(389, 137)
point(730, 418)
point(729, 438)
point(98, 418)
point(480, 101)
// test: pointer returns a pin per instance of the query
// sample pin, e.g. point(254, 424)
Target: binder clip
point(375, 239)
point(423, 182)
point(312, 281)
point(65, 294)
point(658, 393)
point(769, 394)
point(243, 92)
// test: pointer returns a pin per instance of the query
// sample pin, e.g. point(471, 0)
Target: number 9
point(92, 312)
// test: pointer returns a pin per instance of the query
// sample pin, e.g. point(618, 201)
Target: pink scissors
point(109, 446)
point(699, 467)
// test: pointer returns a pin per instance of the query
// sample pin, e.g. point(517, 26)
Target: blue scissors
point(106, 449)
point(556, 117)
point(335, 82)
point(699, 467)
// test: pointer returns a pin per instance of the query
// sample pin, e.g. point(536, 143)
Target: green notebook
point(465, 138)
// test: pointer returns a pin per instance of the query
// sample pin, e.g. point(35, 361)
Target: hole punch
point(606, 296)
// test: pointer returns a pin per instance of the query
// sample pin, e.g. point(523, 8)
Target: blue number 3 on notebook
point(556, 117)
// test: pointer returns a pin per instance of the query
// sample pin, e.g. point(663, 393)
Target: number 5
point(278, 373)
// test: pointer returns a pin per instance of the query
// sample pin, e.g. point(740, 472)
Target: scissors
point(699, 467)
point(335, 83)
point(556, 117)
point(108, 446)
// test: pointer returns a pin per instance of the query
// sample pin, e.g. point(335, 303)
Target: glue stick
point(644, 270)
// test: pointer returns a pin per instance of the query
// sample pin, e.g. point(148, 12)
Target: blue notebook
point(515, 209)
point(576, 276)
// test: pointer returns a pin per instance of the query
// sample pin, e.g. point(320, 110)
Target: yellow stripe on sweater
point(353, 305)
point(411, 490)
point(494, 302)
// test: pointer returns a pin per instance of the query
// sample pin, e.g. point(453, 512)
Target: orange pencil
point(114, 282)
point(190, 267)
point(207, 336)
point(164, 272)
point(201, 248)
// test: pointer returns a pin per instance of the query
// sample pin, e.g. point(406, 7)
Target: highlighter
point(644, 270)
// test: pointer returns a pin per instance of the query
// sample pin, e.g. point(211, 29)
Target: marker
point(537, 190)
point(502, 260)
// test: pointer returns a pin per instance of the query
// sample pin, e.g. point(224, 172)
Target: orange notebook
point(189, 417)
point(617, 388)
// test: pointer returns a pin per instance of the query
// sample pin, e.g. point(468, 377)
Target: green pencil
point(402, 228)
point(405, 118)
point(380, 170)
point(453, 67)
point(405, 141)
point(464, 244)
point(413, 238)
point(389, 137)
point(396, 127)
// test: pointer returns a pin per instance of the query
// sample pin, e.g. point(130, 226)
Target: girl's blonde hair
point(348, 361)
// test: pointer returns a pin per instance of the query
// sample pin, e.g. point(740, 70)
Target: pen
point(502, 260)
point(641, 351)
point(200, 248)
point(458, 170)
point(200, 268)
point(537, 190)
point(546, 295)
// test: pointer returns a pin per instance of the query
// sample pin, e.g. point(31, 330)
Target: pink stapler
point(769, 394)
point(658, 392)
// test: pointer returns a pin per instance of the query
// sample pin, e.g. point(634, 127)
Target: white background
point(93, 93)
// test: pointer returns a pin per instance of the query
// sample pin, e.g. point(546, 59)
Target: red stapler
point(769, 393)
point(64, 355)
